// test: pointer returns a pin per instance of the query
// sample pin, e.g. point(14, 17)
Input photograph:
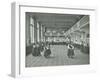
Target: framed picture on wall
point(52, 40)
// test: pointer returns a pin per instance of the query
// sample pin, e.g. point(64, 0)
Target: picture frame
point(18, 68)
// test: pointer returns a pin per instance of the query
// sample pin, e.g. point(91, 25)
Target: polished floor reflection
point(58, 57)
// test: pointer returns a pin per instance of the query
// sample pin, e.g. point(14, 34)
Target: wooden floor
point(58, 57)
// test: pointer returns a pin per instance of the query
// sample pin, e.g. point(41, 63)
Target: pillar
point(38, 39)
point(40, 32)
point(35, 30)
point(43, 29)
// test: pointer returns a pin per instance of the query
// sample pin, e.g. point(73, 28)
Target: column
point(43, 29)
point(38, 39)
point(35, 30)
point(40, 32)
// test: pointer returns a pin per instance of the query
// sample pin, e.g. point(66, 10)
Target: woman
point(42, 49)
point(70, 53)
point(47, 51)
point(36, 50)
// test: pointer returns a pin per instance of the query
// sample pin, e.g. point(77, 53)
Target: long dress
point(47, 52)
point(70, 51)
point(36, 51)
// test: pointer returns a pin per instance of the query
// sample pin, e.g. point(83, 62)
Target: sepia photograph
point(54, 39)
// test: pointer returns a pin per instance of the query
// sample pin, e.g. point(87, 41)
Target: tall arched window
point(38, 38)
point(32, 29)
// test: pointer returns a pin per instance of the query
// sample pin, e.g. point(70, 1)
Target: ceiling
point(57, 21)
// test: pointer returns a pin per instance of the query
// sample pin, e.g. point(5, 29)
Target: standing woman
point(47, 51)
point(70, 53)
point(42, 47)
point(33, 49)
point(36, 50)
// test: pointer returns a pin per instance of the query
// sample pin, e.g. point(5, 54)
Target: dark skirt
point(36, 51)
point(70, 52)
point(47, 53)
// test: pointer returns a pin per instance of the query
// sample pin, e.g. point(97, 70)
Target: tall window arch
point(32, 29)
